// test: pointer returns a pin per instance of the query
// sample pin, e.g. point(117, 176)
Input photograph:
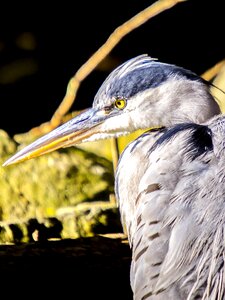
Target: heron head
point(139, 94)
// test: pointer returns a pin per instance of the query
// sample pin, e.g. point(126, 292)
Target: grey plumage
point(178, 233)
point(170, 182)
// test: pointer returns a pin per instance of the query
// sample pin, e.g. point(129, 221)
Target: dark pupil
point(118, 103)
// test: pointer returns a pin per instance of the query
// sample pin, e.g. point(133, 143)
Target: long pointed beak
point(72, 132)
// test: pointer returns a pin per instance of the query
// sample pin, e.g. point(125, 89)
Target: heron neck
point(179, 102)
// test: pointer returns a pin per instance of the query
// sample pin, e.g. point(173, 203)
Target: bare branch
point(74, 83)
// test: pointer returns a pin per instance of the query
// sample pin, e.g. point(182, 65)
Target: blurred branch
point(216, 74)
point(74, 83)
point(212, 72)
point(115, 152)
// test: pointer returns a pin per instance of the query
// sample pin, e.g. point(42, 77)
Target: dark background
point(42, 46)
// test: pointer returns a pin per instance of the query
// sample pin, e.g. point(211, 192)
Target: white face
point(136, 114)
point(123, 119)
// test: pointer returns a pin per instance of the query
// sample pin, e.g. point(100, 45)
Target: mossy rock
point(89, 219)
point(30, 231)
point(82, 220)
point(37, 188)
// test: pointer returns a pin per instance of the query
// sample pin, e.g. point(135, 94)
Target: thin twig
point(74, 83)
point(115, 152)
point(212, 72)
point(104, 50)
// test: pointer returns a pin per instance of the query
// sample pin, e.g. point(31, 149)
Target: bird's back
point(171, 191)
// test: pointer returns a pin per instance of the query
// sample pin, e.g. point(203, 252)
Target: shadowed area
point(88, 268)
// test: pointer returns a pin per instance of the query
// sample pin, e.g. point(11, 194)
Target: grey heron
point(170, 181)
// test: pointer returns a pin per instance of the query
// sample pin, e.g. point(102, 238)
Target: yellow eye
point(120, 103)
